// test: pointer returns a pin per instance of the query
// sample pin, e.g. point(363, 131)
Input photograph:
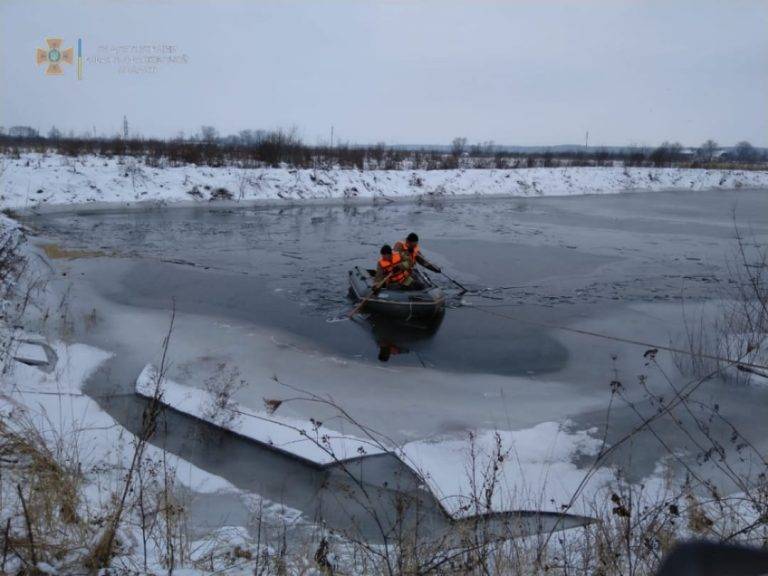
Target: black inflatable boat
point(395, 302)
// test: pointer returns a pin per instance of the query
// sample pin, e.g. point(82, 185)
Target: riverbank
point(34, 180)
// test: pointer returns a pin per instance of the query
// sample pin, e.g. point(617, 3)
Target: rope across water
point(649, 345)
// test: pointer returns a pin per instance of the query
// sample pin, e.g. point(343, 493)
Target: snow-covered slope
point(81, 434)
point(57, 401)
point(35, 179)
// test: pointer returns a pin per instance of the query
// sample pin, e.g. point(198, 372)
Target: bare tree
point(246, 137)
point(666, 154)
point(458, 146)
point(707, 150)
point(208, 134)
point(745, 152)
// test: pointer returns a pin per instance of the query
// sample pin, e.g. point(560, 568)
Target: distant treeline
point(255, 149)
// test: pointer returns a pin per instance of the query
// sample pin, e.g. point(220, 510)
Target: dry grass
point(43, 487)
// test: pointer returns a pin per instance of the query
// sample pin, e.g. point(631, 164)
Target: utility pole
point(331, 135)
point(586, 140)
point(125, 127)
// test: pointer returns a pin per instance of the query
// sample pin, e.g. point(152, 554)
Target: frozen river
point(260, 291)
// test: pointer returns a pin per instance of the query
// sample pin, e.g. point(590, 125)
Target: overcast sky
point(401, 71)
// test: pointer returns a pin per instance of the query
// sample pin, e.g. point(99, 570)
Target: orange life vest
point(402, 247)
point(388, 266)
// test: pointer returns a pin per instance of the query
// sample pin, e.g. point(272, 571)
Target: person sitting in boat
point(410, 252)
point(392, 270)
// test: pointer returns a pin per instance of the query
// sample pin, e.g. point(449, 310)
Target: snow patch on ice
point(535, 467)
point(230, 535)
point(309, 440)
point(30, 353)
point(77, 362)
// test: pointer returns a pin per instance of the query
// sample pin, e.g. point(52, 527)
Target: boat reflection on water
point(395, 336)
point(388, 349)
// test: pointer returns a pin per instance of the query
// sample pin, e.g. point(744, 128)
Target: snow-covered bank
point(38, 180)
point(56, 399)
point(10, 239)
point(50, 408)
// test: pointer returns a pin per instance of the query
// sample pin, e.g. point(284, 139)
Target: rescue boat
point(395, 302)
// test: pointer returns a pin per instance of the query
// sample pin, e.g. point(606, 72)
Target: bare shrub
point(195, 193)
point(133, 170)
point(221, 194)
point(221, 387)
point(734, 343)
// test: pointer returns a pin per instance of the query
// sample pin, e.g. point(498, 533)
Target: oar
point(463, 289)
point(362, 302)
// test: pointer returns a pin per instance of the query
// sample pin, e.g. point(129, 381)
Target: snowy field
point(34, 180)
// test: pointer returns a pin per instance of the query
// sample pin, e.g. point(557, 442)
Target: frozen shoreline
point(35, 181)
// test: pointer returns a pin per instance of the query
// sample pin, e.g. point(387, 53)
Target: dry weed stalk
point(101, 555)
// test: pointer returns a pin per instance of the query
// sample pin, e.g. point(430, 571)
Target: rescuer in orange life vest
point(391, 264)
point(411, 253)
point(401, 263)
